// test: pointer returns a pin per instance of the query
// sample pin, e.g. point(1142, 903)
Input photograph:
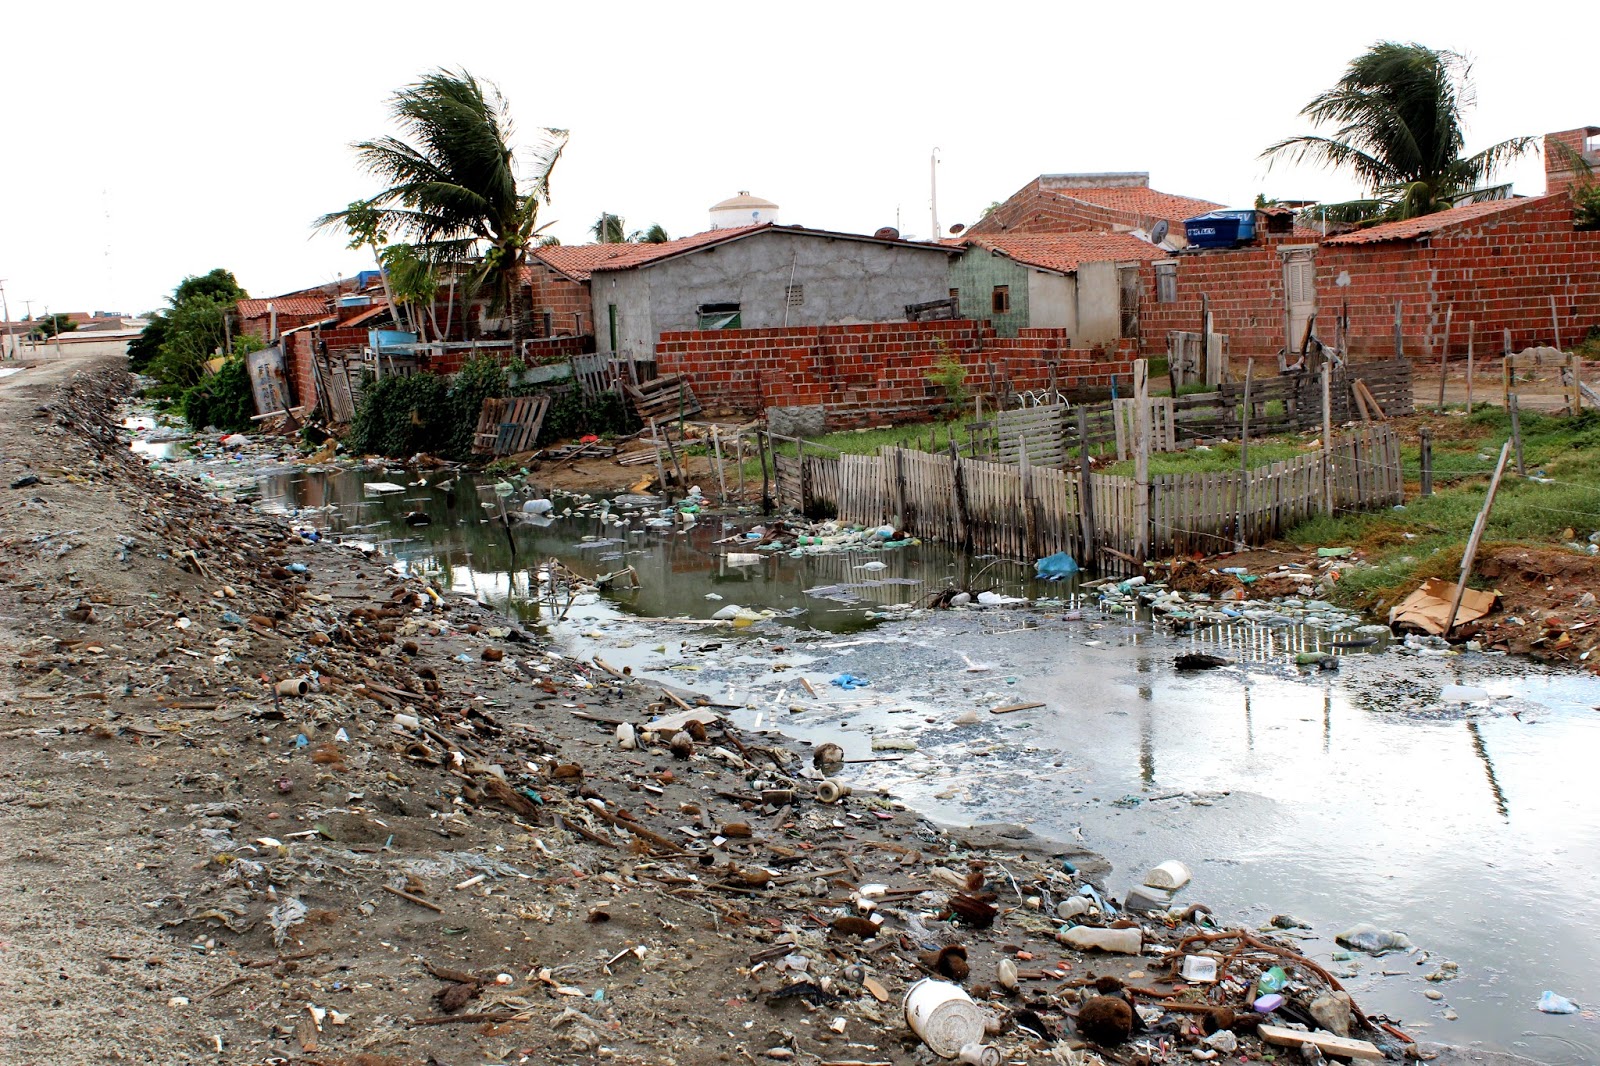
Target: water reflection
point(681, 573)
point(1482, 749)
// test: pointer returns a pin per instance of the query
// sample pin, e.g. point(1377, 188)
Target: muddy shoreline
point(192, 871)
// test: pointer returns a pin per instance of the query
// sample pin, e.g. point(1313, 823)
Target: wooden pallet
point(510, 425)
point(664, 399)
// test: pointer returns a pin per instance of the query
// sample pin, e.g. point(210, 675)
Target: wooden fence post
point(1399, 344)
point(1555, 323)
point(1244, 450)
point(1085, 489)
point(661, 470)
point(1477, 535)
point(1516, 433)
point(1426, 449)
point(800, 462)
point(1471, 331)
point(763, 445)
point(963, 530)
point(1444, 354)
point(1327, 442)
point(1141, 475)
point(1030, 526)
point(900, 487)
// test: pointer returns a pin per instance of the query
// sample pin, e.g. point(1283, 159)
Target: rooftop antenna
point(933, 191)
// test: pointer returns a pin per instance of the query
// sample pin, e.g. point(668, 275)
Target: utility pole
point(933, 191)
point(28, 304)
point(8, 343)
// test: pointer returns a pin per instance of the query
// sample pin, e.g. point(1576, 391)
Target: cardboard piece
point(1428, 608)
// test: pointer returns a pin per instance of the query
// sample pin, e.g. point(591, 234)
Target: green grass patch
point(1560, 500)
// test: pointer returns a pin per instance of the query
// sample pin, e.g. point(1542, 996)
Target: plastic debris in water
point(849, 681)
point(1055, 567)
point(1550, 1003)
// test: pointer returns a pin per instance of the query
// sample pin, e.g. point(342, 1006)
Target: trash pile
point(1190, 609)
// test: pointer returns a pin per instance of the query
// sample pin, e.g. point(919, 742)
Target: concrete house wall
point(1040, 299)
point(841, 282)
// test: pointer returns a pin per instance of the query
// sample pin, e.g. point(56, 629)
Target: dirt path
point(196, 871)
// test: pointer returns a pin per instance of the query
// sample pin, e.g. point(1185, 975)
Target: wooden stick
point(722, 481)
point(1008, 708)
point(1477, 535)
point(418, 900)
point(1471, 329)
point(1516, 433)
point(1444, 354)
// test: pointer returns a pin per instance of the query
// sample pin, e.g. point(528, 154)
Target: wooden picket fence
point(1024, 511)
point(1283, 403)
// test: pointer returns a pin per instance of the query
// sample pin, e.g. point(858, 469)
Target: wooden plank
point(1327, 1043)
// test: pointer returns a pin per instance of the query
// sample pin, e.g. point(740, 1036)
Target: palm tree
point(656, 234)
point(608, 229)
point(1397, 118)
point(454, 187)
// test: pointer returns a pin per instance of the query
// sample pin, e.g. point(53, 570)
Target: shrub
point(401, 416)
point(223, 399)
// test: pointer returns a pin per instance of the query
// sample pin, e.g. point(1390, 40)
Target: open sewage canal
point(1336, 797)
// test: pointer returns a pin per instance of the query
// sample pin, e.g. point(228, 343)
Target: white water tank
point(743, 210)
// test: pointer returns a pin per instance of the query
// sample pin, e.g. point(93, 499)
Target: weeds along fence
point(1113, 522)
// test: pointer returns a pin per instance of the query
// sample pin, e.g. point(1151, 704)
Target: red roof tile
point(1412, 228)
point(1144, 202)
point(1062, 252)
point(297, 306)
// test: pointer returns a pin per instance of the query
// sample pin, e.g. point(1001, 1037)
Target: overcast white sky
point(150, 141)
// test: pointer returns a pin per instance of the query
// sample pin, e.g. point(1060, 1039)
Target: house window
point(1167, 283)
point(717, 316)
point(1000, 303)
point(794, 295)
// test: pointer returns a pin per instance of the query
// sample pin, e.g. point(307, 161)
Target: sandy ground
point(196, 870)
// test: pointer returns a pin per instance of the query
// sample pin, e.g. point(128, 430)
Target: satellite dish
point(1158, 232)
point(887, 233)
point(958, 227)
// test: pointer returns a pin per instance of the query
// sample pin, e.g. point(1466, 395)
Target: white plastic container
point(1171, 875)
point(944, 1017)
point(1199, 969)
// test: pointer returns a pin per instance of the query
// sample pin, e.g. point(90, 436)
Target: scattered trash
point(849, 681)
point(1428, 608)
point(1194, 660)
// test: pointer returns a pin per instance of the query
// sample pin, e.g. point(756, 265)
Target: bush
point(574, 414)
point(401, 416)
point(223, 399)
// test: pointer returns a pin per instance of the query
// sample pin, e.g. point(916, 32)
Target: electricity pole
point(933, 192)
point(8, 344)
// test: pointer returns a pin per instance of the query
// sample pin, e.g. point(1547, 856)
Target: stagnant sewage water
point(1336, 797)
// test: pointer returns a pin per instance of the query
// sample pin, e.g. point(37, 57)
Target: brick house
point(1085, 284)
point(1092, 203)
point(256, 316)
point(1516, 265)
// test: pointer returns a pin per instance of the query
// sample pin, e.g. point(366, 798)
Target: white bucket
point(944, 1016)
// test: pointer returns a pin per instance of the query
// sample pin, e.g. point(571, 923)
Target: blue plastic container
point(1220, 229)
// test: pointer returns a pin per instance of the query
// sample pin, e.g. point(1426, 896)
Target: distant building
point(1093, 203)
point(743, 210)
point(758, 277)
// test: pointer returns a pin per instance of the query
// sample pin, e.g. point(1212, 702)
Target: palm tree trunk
point(383, 276)
point(514, 306)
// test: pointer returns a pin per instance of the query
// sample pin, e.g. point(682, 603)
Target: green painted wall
point(976, 272)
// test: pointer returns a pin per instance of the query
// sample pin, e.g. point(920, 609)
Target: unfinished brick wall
point(552, 292)
point(1499, 273)
point(874, 373)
